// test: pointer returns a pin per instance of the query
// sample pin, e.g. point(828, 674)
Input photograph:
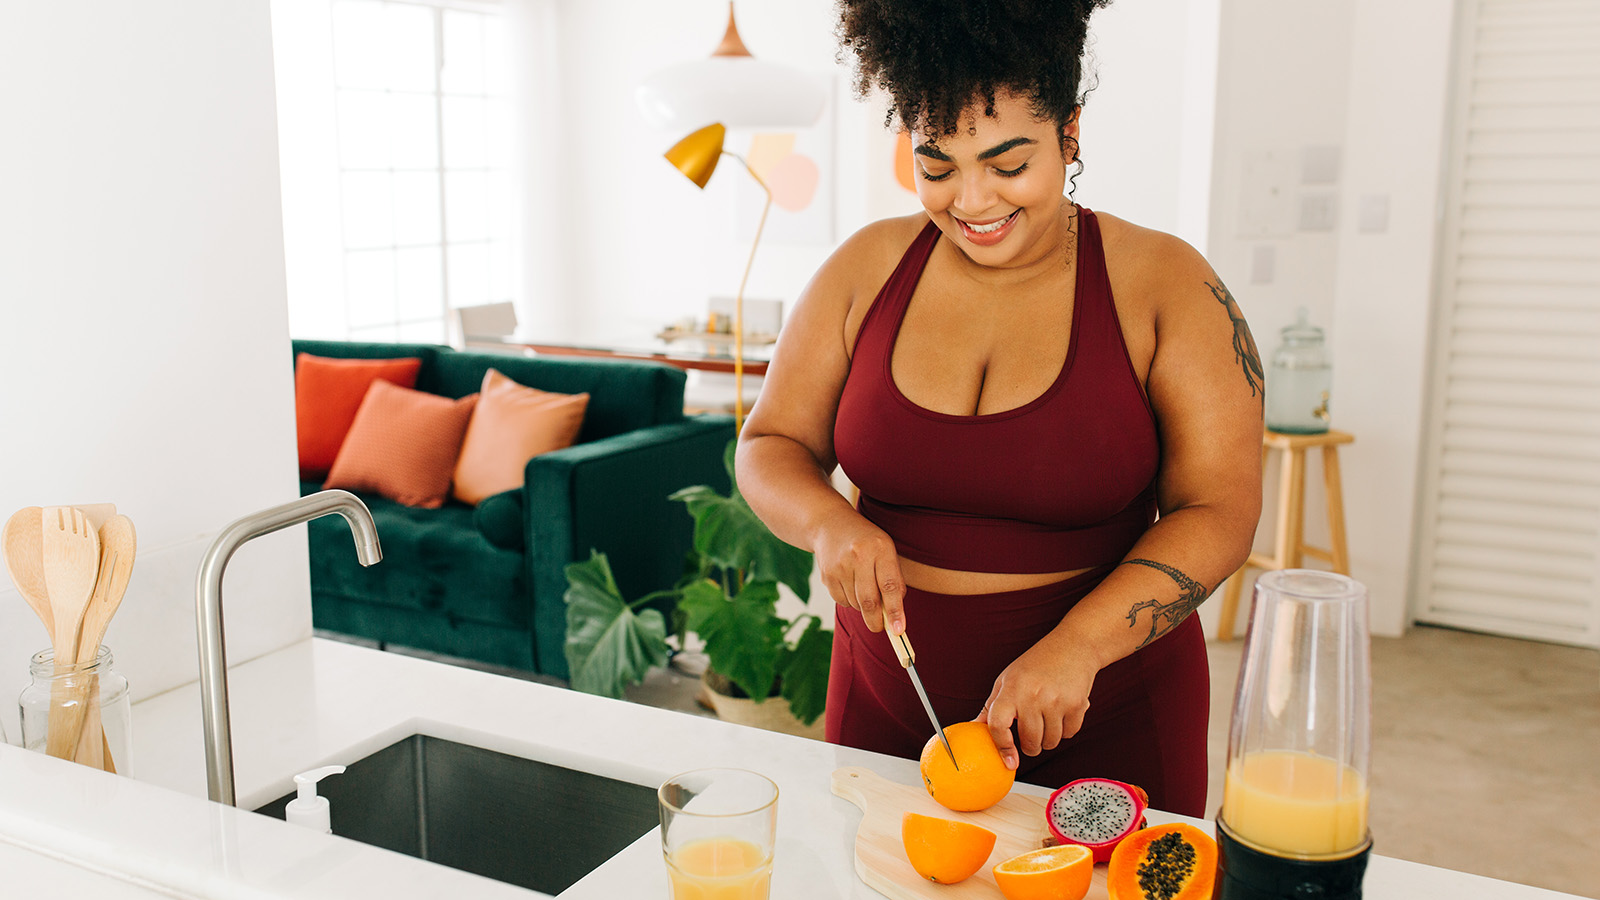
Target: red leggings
point(1146, 723)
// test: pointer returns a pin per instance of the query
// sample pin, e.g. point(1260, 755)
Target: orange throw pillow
point(327, 393)
point(513, 424)
point(403, 445)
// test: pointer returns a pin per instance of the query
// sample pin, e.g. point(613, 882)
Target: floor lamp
point(730, 88)
point(696, 156)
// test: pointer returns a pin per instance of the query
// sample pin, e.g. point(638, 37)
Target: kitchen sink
point(516, 820)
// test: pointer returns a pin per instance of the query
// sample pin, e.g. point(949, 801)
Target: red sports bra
point(1065, 481)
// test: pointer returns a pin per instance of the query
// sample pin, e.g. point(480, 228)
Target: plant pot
point(772, 713)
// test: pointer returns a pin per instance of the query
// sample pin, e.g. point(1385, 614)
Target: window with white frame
point(423, 161)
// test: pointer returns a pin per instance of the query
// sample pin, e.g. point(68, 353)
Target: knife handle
point(902, 649)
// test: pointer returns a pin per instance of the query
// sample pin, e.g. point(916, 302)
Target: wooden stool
point(1290, 549)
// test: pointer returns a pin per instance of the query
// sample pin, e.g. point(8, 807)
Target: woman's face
point(996, 193)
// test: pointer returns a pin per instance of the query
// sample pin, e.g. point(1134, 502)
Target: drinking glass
point(718, 827)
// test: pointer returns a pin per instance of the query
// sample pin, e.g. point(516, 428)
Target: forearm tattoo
point(1166, 616)
point(1244, 346)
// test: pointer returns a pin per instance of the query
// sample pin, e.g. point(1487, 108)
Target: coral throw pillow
point(327, 393)
point(513, 424)
point(403, 445)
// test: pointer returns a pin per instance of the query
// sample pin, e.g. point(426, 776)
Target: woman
point(1017, 385)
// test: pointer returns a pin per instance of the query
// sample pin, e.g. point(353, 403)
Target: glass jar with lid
point(78, 711)
point(1299, 380)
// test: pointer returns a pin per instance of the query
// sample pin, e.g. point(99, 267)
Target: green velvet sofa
point(486, 583)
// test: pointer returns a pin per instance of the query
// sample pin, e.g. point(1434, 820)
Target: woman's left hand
point(1046, 692)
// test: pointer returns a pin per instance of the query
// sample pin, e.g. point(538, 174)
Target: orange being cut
point(1054, 873)
point(945, 851)
point(982, 779)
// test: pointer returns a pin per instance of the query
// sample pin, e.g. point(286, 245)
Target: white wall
point(1367, 80)
point(144, 345)
point(635, 243)
point(1149, 118)
point(308, 141)
point(1383, 288)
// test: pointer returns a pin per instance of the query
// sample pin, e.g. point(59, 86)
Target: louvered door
point(1510, 519)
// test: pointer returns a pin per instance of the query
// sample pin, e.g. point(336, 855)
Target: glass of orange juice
point(718, 827)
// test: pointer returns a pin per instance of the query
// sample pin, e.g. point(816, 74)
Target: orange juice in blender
point(1295, 801)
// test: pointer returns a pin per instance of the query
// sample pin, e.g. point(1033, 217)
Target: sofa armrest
point(611, 495)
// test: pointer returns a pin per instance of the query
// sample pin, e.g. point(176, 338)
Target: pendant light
point(731, 87)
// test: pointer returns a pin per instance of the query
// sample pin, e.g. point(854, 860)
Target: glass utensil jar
point(1294, 802)
point(1298, 384)
point(718, 829)
point(78, 711)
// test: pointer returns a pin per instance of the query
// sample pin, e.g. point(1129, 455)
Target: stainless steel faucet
point(208, 612)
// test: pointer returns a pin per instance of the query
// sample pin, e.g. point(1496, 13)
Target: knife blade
point(908, 661)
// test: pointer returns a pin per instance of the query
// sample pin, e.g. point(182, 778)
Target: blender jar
point(1295, 795)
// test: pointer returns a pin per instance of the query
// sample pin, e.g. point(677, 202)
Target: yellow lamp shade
point(696, 155)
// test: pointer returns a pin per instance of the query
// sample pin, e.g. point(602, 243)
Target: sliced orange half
point(1054, 873)
point(945, 851)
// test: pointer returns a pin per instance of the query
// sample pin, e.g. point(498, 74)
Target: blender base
point(1246, 873)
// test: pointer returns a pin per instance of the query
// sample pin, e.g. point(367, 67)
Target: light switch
point(1319, 210)
point(1373, 217)
point(1263, 259)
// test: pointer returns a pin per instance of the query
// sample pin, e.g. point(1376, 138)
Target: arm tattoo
point(1244, 346)
point(1166, 616)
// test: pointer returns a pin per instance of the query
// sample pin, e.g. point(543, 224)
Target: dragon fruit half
point(1097, 813)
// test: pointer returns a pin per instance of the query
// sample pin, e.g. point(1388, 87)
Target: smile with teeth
point(992, 226)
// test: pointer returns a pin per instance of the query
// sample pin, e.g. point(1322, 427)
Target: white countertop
point(321, 702)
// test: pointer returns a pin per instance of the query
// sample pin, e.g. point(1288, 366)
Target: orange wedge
point(1054, 873)
point(945, 851)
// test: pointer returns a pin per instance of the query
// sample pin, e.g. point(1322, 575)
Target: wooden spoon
point(117, 549)
point(71, 568)
point(23, 541)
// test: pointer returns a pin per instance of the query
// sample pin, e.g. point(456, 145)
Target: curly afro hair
point(936, 58)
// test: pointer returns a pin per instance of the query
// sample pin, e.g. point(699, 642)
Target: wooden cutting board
point(1017, 821)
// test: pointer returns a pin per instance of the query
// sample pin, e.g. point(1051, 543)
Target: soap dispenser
point(308, 809)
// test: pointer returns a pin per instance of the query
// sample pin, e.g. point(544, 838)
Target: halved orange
point(982, 779)
point(945, 851)
point(1054, 873)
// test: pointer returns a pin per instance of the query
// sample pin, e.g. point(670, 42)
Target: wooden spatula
point(71, 563)
point(117, 549)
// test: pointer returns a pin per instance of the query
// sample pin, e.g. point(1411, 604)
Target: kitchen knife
point(908, 661)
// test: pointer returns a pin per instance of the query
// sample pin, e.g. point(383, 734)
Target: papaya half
point(1163, 862)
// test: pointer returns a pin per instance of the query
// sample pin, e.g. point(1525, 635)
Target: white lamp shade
point(738, 91)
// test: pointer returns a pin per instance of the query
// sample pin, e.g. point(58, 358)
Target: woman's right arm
point(785, 454)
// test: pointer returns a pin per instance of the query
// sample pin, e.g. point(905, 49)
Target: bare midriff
point(953, 581)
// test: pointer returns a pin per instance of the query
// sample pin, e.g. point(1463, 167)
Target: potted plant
point(728, 596)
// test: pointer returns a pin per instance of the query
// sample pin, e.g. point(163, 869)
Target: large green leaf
point(743, 636)
point(608, 645)
point(728, 532)
point(804, 671)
